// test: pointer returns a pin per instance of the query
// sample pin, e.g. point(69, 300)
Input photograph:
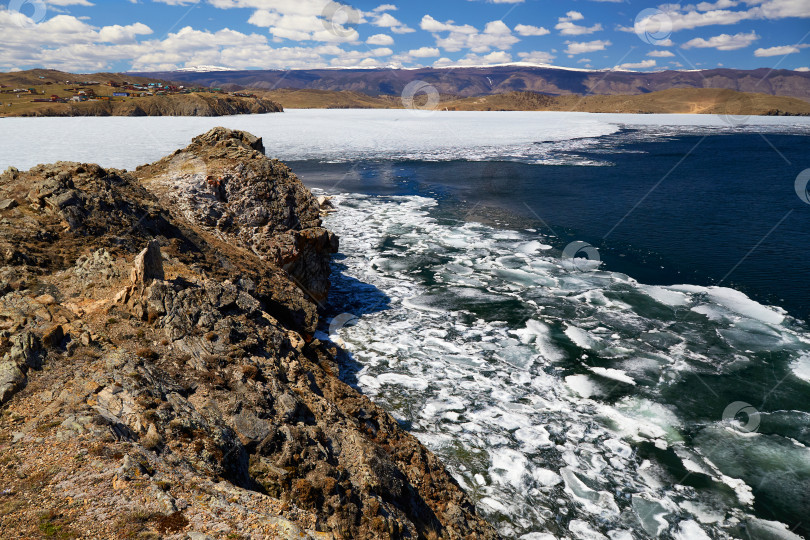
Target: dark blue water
point(707, 210)
point(665, 209)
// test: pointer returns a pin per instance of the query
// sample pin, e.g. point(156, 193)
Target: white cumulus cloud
point(660, 54)
point(586, 46)
point(529, 30)
point(779, 50)
point(380, 39)
point(637, 65)
point(723, 42)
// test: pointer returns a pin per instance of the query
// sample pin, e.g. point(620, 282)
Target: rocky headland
point(175, 105)
point(159, 370)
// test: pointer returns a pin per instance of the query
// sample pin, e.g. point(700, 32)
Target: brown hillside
point(673, 101)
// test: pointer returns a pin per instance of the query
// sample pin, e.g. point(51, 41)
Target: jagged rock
point(65, 199)
point(152, 439)
point(193, 535)
point(12, 380)
point(130, 468)
point(251, 201)
point(325, 205)
point(8, 204)
point(224, 135)
point(53, 336)
point(95, 266)
point(148, 266)
point(45, 299)
point(26, 350)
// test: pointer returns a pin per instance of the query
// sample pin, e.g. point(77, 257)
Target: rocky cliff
point(159, 374)
point(174, 105)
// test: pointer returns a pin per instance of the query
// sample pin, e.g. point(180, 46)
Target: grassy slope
point(675, 100)
point(170, 105)
point(23, 106)
point(24, 79)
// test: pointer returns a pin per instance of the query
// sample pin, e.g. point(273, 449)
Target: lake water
point(661, 389)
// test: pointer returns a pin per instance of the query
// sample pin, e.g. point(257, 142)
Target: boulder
point(148, 266)
point(26, 350)
point(8, 204)
point(12, 380)
point(53, 336)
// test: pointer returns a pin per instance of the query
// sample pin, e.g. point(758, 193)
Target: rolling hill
point(469, 82)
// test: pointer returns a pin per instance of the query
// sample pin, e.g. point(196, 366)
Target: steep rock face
point(223, 182)
point(175, 105)
point(158, 372)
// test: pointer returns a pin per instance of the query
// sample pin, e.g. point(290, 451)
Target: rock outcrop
point(174, 105)
point(159, 374)
point(225, 184)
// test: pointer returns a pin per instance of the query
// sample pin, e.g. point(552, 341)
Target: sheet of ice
point(581, 337)
point(344, 135)
point(582, 385)
point(801, 367)
point(665, 295)
point(331, 135)
point(737, 302)
point(615, 374)
point(690, 530)
point(652, 514)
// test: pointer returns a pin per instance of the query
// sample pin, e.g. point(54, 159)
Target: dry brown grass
point(672, 101)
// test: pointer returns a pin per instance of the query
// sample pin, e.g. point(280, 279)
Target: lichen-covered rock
point(183, 390)
point(25, 350)
point(148, 266)
point(238, 194)
point(12, 380)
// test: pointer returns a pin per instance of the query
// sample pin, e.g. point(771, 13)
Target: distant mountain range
point(482, 81)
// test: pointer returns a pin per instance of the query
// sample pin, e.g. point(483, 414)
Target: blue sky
point(142, 35)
